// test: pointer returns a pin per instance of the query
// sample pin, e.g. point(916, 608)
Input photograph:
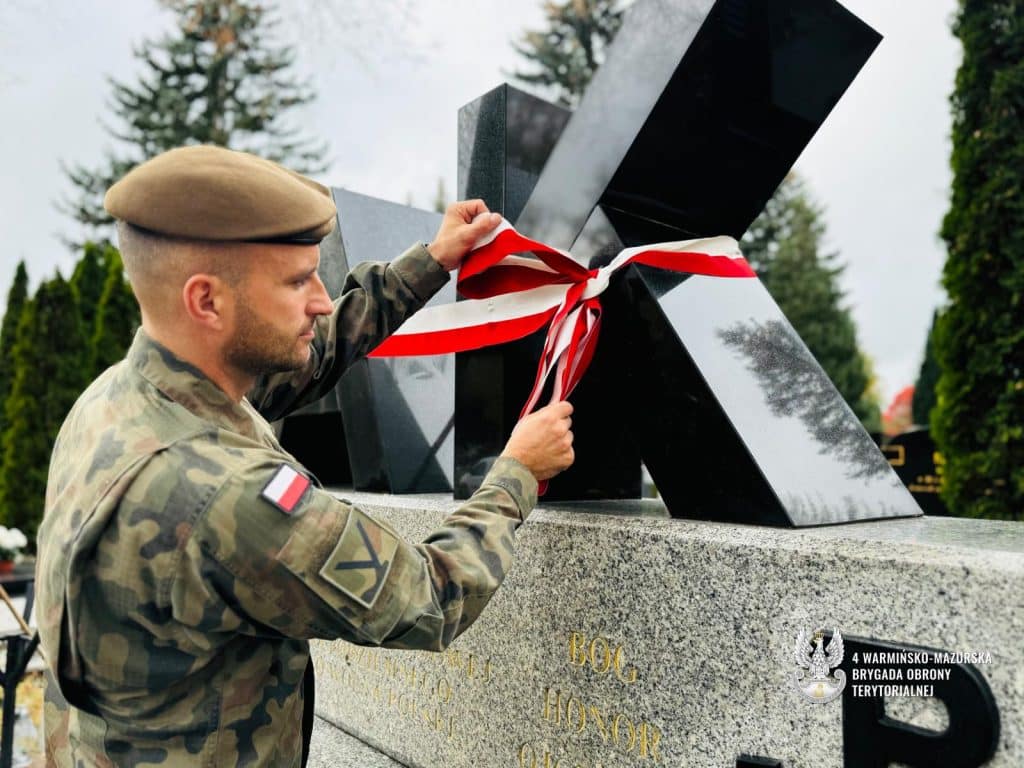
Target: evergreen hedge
point(978, 423)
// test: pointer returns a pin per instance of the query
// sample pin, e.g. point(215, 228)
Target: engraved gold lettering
point(626, 676)
point(600, 661)
point(601, 655)
point(443, 690)
point(598, 719)
point(409, 704)
point(649, 738)
point(418, 688)
point(579, 719)
point(577, 649)
point(553, 709)
point(527, 757)
point(617, 733)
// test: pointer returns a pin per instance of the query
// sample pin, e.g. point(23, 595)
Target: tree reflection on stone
point(795, 385)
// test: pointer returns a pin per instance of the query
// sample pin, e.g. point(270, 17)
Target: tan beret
point(211, 193)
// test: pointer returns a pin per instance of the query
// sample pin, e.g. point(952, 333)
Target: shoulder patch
point(360, 563)
point(286, 488)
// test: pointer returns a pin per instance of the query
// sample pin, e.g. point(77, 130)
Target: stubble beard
point(258, 348)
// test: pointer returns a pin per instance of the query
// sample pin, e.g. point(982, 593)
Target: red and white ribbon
point(512, 296)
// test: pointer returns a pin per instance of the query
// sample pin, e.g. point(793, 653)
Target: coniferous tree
point(218, 78)
point(784, 246)
point(87, 281)
point(117, 317)
point(566, 55)
point(16, 299)
point(978, 423)
point(47, 380)
point(924, 389)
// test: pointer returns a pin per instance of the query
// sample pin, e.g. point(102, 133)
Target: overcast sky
point(390, 83)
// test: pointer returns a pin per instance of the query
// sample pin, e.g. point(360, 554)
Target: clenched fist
point(461, 226)
point(543, 441)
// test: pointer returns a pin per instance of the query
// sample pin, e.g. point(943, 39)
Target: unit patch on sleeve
point(285, 488)
point(362, 559)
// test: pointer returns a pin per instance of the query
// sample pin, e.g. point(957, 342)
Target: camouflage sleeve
point(326, 569)
point(376, 298)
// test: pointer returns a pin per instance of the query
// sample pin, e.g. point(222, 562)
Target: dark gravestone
point(918, 463)
point(689, 126)
point(393, 415)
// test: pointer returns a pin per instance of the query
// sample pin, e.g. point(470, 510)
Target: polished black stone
point(394, 416)
point(738, 422)
point(916, 461)
point(693, 121)
point(873, 739)
point(505, 137)
point(697, 115)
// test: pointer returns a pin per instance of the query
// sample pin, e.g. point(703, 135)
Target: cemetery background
point(790, 239)
point(97, 292)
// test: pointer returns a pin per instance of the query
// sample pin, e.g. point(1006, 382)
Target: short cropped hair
point(149, 256)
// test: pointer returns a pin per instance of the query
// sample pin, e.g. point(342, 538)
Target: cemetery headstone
point(918, 464)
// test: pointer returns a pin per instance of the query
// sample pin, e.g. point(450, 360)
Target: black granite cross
point(697, 115)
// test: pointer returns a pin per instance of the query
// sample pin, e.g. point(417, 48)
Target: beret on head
point(211, 193)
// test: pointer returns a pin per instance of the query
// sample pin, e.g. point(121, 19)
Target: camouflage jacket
point(177, 588)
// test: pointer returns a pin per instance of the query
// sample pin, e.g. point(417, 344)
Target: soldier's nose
point(321, 302)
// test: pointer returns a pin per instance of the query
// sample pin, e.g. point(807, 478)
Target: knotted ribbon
point(511, 296)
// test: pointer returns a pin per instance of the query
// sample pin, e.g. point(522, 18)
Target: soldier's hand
point(543, 441)
point(461, 226)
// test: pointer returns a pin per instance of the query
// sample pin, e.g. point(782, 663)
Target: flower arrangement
point(11, 542)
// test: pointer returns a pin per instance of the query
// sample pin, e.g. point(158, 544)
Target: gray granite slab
point(687, 630)
point(331, 747)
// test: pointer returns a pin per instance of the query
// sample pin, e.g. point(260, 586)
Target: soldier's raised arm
point(375, 299)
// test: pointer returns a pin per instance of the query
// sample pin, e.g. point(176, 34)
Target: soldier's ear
point(207, 300)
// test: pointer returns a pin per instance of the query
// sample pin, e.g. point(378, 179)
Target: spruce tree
point(924, 389)
point(117, 317)
point(218, 78)
point(47, 380)
point(784, 246)
point(566, 55)
point(978, 424)
point(16, 299)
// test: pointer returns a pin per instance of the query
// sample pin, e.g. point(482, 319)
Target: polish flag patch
point(285, 488)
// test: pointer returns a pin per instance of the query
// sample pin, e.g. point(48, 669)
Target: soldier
point(185, 559)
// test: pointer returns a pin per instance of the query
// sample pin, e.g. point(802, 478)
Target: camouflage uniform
point(175, 601)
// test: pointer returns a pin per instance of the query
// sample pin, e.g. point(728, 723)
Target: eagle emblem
point(814, 679)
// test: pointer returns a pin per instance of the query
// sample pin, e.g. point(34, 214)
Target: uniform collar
point(188, 386)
